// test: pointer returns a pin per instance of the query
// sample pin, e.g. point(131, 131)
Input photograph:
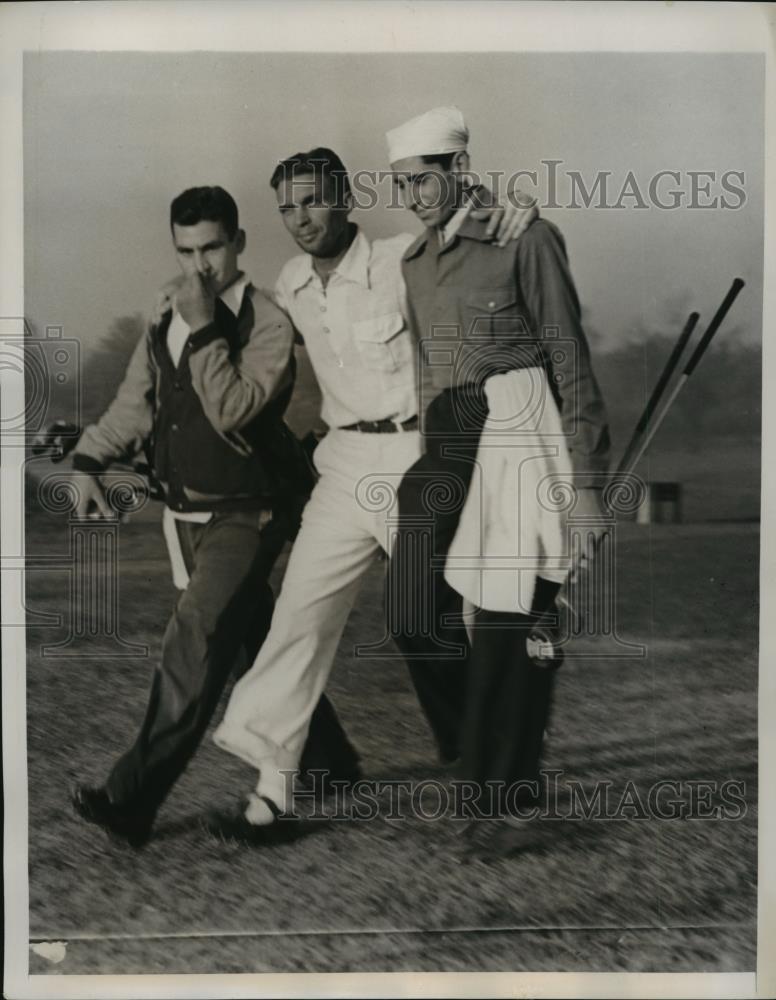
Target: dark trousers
point(227, 606)
point(485, 700)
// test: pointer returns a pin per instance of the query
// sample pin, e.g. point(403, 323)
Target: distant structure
point(662, 504)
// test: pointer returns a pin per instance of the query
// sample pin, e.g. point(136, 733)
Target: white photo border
point(336, 26)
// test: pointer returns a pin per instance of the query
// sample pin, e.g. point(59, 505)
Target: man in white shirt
point(345, 296)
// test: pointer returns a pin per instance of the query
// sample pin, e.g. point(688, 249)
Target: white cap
point(441, 130)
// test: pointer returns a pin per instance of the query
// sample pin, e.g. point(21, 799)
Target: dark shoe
point(235, 828)
point(334, 778)
point(93, 805)
point(450, 768)
point(448, 756)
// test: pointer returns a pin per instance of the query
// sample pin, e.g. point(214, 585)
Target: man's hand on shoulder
point(196, 302)
point(508, 222)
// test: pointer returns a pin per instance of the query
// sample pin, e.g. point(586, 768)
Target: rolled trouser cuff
point(275, 764)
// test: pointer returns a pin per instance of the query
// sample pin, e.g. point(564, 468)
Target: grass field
point(620, 895)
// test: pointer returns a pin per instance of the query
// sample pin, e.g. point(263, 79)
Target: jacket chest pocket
point(490, 312)
point(382, 342)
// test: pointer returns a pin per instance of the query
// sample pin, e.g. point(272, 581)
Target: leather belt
point(382, 426)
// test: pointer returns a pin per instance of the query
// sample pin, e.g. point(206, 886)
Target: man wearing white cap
point(498, 328)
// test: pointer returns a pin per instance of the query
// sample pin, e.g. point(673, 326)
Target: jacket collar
point(466, 228)
point(470, 229)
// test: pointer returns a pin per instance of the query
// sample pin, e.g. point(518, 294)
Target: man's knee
point(193, 619)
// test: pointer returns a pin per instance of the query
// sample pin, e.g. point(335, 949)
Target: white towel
point(180, 575)
point(513, 523)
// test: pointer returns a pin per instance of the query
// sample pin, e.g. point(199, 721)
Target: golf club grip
point(657, 392)
point(735, 288)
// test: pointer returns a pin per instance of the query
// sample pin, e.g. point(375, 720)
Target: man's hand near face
point(196, 301)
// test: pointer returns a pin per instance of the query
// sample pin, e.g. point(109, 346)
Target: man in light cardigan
point(204, 393)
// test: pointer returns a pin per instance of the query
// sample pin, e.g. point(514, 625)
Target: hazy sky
point(110, 138)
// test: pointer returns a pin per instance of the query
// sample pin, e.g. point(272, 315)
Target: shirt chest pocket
point(489, 312)
point(383, 342)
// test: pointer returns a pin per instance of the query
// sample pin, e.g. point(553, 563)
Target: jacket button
point(175, 427)
point(177, 385)
point(491, 305)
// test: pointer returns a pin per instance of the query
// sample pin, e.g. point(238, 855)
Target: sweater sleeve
point(125, 425)
point(234, 387)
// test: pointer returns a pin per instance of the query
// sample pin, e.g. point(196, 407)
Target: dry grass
point(636, 895)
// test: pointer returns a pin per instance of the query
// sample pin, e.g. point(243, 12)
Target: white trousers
point(345, 523)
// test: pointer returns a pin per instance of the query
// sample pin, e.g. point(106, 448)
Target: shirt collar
point(354, 266)
point(448, 231)
point(467, 228)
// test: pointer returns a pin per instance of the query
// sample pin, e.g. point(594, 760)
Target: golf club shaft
point(629, 462)
point(657, 392)
point(715, 324)
point(647, 438)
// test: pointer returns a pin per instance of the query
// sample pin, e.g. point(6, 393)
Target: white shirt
point(355, 330)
